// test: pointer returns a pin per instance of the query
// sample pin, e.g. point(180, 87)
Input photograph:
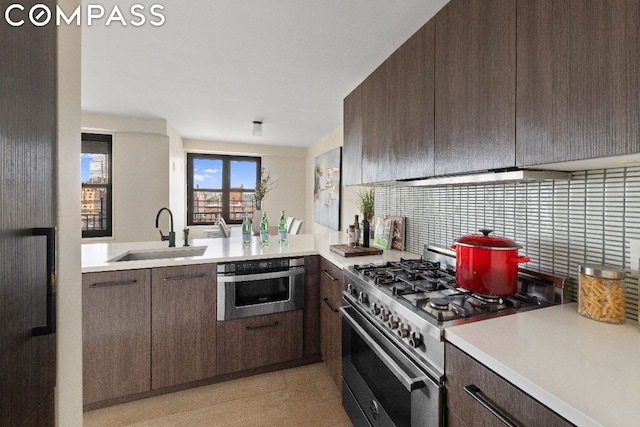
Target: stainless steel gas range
point(393, 333)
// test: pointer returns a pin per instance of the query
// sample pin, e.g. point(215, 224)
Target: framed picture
point(382, 233)
point(326, 188)
point(397, 232)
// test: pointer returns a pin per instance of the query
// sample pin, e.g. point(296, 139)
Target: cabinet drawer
point(259, 341)
point(518, 407)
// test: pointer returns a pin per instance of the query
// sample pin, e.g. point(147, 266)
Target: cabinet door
point(411, 98)
point(183, 327)
point(116, 334)
point(331, 285)
point(28, 135)
point(475, 86)
point(510, 401)
point(376, 135)
point(258, 341)
point(311, 305)
point(353, 114)
point(578, 85)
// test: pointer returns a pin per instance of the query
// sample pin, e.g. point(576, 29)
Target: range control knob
point(375, 310)
point(416, 340)
point(351, 290)
point(403, 332)
point(363, 298)
point(384, 315)
point(392, 323)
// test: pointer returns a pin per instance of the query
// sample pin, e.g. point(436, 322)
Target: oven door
point(263, 293)
point(382, 386)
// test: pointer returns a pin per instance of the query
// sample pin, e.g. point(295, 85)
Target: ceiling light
point(257, 128)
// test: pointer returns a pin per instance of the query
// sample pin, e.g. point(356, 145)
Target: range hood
point(490, 177)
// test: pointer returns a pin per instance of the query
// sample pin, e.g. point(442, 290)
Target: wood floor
point(302, 396)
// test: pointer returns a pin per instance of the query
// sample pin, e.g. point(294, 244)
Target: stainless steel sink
point(165, 253)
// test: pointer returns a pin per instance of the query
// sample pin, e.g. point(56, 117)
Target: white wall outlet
point(634, 249)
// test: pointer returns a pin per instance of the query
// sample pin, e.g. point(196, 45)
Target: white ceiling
point(217, 65)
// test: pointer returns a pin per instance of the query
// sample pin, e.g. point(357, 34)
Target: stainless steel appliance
point(256, 287)
point(393, 333)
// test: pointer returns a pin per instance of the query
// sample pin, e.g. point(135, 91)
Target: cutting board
point(347, 251)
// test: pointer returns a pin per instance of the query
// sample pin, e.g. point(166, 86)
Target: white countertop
point(96, 256)
point(586, 371)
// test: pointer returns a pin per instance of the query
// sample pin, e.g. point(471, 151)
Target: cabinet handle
point(107, 284)
point(195, 276)
point(326, 273)
point(270, 325)
point(50, 327)
point(326, 301)
point(473, 391)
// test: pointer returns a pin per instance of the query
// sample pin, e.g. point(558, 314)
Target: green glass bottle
point(282, 229)
point(264, 229)
point(246, 230)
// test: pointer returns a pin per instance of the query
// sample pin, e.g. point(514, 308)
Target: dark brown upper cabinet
point(578, 80)
point(411, 103)
point(388, 118)
point(475, 74)
point(353, 112)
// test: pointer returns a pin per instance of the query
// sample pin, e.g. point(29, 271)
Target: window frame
point(108, 140)
point(226, 184)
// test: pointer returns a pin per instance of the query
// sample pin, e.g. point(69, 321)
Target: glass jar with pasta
point(601, 293)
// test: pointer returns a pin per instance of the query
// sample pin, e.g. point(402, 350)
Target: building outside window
point(96, 185)
point(220, 186)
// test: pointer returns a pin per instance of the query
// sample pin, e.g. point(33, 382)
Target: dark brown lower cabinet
point(331, 284)
point(183, 324)
point(116, 334)
point(515, 405)
point(259, 341)
point(311, 305)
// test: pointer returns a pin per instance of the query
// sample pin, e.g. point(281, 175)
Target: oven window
point(263, 291)
point(391, 394)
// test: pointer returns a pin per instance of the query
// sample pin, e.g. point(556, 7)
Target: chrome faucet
point(172, 235)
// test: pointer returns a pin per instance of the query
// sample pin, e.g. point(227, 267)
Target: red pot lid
point(486, 241)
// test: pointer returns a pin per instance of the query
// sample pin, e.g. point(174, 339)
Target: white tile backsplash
point(594, 217)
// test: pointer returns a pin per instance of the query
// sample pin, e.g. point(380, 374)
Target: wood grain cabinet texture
point(475, 77)
point(578, 80)
point(331, 285)
point(311, 306)
point(116, 334)
point(353, 128)
point(183, 324)
point(461, 371)
point(259, 341)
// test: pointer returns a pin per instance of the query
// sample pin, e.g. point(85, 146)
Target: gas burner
point(489, 299)
point(439, 303)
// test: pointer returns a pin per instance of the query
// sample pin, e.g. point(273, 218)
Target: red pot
point(487, 265)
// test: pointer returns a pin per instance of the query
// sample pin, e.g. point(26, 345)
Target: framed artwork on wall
point(326, 188)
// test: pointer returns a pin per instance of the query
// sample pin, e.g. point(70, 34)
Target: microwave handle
point(409, 383)
point(260, 276)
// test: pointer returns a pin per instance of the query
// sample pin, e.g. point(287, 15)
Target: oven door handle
point(407, 381)
point(260, 276)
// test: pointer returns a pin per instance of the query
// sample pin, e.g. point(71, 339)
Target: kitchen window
point(96, 175)
point(220, 186)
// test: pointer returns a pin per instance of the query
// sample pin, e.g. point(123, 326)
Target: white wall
point(141, 169)
point(287, 167)
point(348, 200)
point(177, 179)
point(68, 394)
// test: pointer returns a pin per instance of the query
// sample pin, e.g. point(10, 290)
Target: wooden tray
point(347, 251)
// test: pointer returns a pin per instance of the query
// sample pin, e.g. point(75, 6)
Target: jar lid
point(486, 241)
point(599, 270)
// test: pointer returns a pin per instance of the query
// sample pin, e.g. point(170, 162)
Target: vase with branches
point(263, 187)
